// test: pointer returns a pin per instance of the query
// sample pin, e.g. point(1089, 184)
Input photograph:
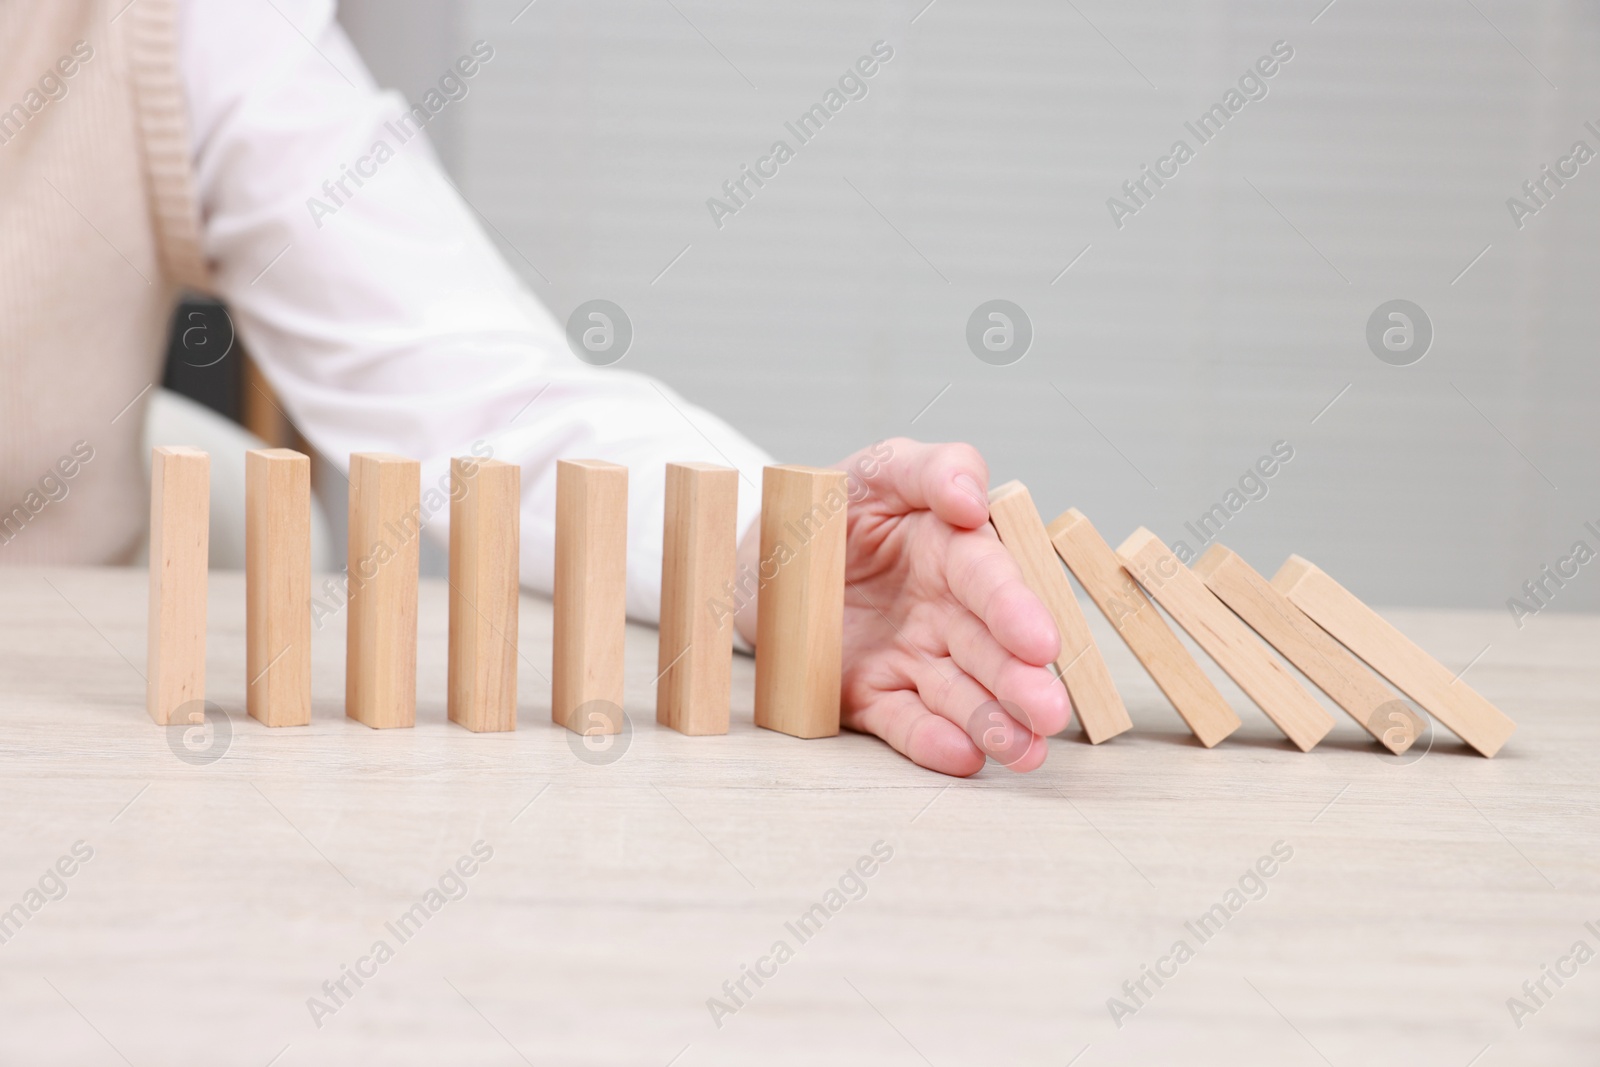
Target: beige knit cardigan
point(99, 232)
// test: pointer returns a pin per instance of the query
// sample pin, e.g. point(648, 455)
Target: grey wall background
point(1223, 317)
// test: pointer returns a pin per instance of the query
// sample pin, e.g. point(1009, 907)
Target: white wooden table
point(621, 895)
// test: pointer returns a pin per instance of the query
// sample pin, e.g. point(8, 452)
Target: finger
point(988, 583)
point(951, 480)
point(993, 727)
point(928, 740)
point(1034, 689)
point(1005, 740)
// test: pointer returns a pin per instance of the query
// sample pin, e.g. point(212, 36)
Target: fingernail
point(967, 485)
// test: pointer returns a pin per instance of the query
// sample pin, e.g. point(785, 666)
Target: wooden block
point(800, 605)
point(180, 521)
point(1225, 639)
point(1306, 645)
point(277, 586)
point(591, 595)
point(695, 661)
point(380, 688)
point(1141, 626)
point(1389, 652)
point(485, 543)
point(1080, 665)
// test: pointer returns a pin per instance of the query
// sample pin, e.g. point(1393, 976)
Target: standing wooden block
point(1389, 652)
point(695, 661)
point(485, 538)
point(277, 586)
point(1080, 665)
point(1225, 639)
point(800, 606)
point(380, 686)
point(1305, 644)
point(591, 595)
point(180, 521)
point(1147, 634)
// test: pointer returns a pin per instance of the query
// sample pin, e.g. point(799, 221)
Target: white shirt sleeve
point(376, 306)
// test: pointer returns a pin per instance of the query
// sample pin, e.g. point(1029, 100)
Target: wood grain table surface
point(216, 886)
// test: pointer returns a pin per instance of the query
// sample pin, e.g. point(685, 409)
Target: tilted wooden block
point(1306, 645)
point(485, 542)
point(1395, 656)
point(695, 661)
point(1094, 696)
point(277, 586)
point(591, 595)
point(380, 686)
point(1225, 639)
point(800, 606)
point(1147, 634)
point(180, 519)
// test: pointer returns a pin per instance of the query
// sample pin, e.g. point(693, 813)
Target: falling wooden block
point(591, 595)
point(695, 661)
point(277, 586)
point(1225, 639)
point(180, 520)
point(1080, 665)
point(380, 688)
point(1141, 626)
point(1392, 654)
point(1306, 645)
point(800, 605)
point(485, 538)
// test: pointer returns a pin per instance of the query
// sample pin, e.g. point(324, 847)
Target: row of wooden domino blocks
point(800, 602)
point(1225, 606)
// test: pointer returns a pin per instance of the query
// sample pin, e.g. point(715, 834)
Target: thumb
point(951, 480)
